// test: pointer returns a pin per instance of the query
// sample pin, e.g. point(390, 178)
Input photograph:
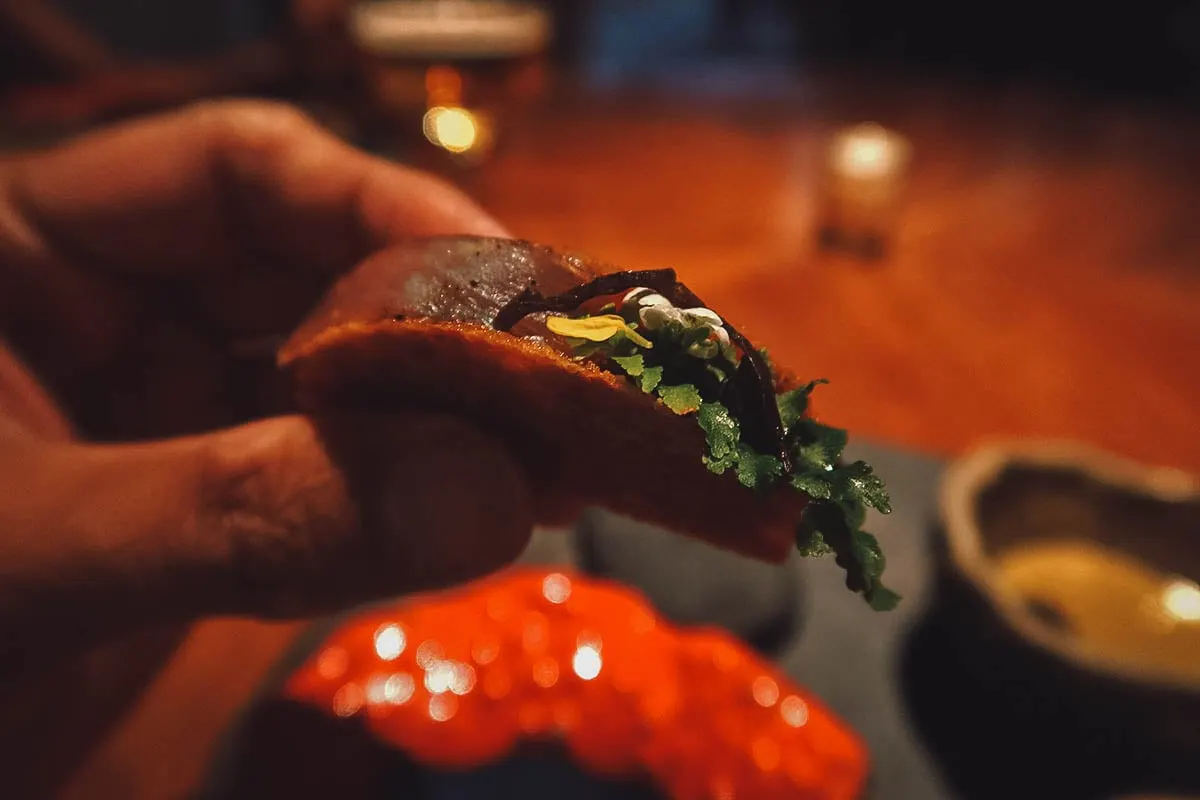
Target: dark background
point(1148, 49)
point(1145, 49)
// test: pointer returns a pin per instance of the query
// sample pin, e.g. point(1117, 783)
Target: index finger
point(228, 183)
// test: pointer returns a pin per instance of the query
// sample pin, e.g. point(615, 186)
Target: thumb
point(283, 517)
point(338, 509)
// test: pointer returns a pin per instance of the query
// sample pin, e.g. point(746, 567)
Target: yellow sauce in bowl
point(1109, 603)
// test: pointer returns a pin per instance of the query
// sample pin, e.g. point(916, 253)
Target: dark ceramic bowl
point(1061, 654)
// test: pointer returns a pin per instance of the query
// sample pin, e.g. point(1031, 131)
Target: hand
point(153, 473)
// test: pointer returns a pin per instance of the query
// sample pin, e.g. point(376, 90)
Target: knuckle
point(253, 118)
point(250, 136)
point(279, 519)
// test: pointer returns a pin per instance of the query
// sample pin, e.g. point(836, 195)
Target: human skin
point(153, 471)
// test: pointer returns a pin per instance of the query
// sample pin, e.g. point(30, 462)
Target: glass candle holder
point(445, 72)
point(864, 176)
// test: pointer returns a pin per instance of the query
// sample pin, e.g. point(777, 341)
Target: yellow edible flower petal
point(594, 329)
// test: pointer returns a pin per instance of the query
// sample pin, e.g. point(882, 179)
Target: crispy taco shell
point(411, 328)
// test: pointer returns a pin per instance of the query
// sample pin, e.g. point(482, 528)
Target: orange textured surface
point(461, 680)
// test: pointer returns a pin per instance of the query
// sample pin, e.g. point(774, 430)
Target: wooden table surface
point(1045, 281)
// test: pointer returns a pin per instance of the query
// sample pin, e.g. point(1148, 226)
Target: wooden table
point(1045, 282)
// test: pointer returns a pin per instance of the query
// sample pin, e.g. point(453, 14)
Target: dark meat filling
point(752, 400)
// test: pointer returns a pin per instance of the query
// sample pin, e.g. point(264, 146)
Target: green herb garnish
point(682, 399)
point(839, 494)
point(722, 432)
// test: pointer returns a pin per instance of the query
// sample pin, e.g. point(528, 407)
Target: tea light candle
point(865, 173)
point(869, 153)
point(450, 68)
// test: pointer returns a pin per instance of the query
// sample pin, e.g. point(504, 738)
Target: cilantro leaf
point(651, 378)
point(881, 598)
point(755, 470)
point(682, 399)
point(722, 432)
point(633, 365)
point(867, 553)
point(827, 523)
point(853, 512)
point(811, 544)
point(821, 445)
point(815, 486)
point(793, 404)
point(718, 466)
point(839, 495)
point(859, 482)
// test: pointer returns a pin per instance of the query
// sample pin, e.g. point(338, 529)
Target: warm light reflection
point(865, 156)
point(590, 639)
point(484, 650)
point(545, 672)
point(586, 662)
point(348, 700)
point(765, 691)
point(442, 707)
point(1181, 600)
point(451, 128)
point(467, 28)
point(332, 663)
point(375, 690)
point(794, 711)
point(398, 688)
point(1109, 602)
point(536, 634)
point(697, 712)
point(389, 642)
point(464, 678)
point(868, 151)
point(428, 654)
point(556, 588)
point(439, 676)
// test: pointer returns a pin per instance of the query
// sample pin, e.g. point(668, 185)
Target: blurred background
point(1007, 248)
point(978, 220)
